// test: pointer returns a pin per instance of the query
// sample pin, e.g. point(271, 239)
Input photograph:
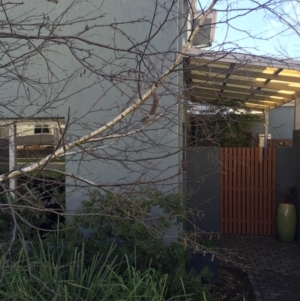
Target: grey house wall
point(203, 183)
point(286, 173)
point(296, 143)
point(281, 123)
point(285, 170)
point(91, 100)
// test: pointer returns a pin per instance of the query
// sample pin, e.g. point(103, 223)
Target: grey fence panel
point(203, 181)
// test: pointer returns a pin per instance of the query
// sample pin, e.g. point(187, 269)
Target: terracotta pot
point(286, 222)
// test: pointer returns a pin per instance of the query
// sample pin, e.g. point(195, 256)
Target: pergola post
point(12, 157)
point(296, 144)
point(266, 122)
point(297, 111)
point(12, 166)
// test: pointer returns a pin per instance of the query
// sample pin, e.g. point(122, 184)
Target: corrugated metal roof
point(261, 83)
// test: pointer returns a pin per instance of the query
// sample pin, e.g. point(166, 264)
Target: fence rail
point(279, 142)
point(248, 191)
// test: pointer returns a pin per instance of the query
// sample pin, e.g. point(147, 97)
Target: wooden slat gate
point(248, 191)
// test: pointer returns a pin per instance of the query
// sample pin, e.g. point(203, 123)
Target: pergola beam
point(250, 103)
point(246, 83)
point(233, 89)
point(239, 95)
point(225, 98)
point(242, 73)
point(246, 60)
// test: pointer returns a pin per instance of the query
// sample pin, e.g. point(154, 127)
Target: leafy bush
point(140, 226)
point(147, 261)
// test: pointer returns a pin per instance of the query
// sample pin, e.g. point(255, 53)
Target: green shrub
point(146, 263)
point(139, 224)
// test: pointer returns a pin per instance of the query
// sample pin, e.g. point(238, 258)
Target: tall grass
point(48, 273)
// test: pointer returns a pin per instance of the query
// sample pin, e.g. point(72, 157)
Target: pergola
point(262, 83)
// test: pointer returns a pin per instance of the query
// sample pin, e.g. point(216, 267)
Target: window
point(42, 129)
point(4, 132)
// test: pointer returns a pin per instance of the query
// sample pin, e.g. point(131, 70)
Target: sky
point(260, 31)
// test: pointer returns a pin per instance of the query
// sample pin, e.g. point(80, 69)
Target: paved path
point(273, 267)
